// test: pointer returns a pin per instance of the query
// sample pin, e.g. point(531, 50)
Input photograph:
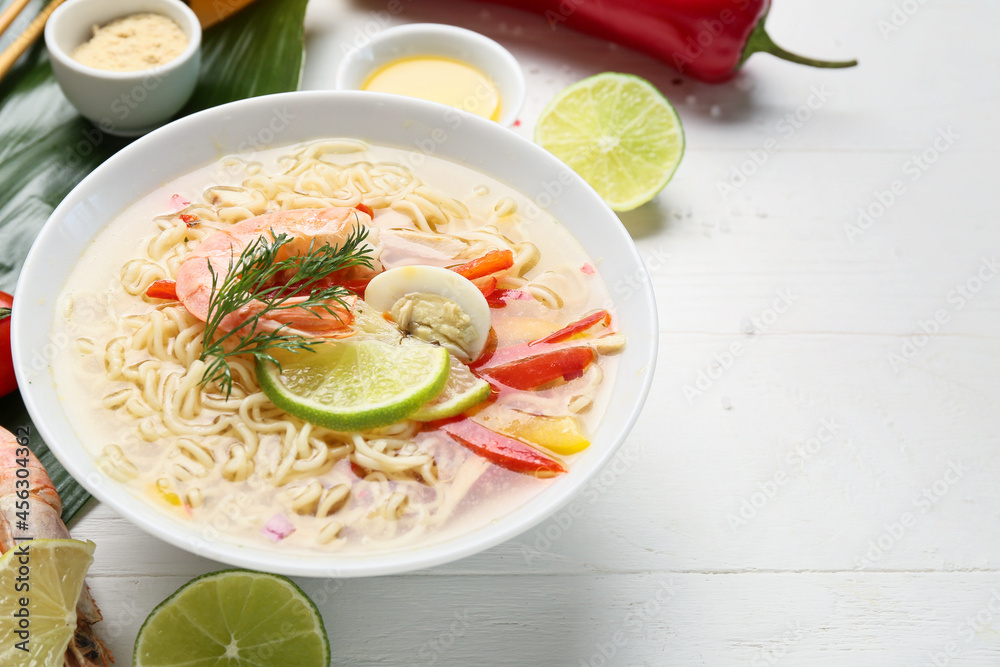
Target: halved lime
point(462, 391)
point(356, 384)
point(234, 617)
point(618, 132)
point(48, 576)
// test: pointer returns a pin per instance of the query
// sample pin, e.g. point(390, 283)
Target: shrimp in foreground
point(309, 228)
point(44, 521)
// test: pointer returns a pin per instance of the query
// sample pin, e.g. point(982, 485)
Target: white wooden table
point(826, 496)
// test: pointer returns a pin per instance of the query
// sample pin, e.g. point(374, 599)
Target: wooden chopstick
point(11, 13)
point(26, 38)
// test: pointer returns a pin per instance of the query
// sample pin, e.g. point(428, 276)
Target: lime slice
point(618, 132)
point(462, 391)
point(356, 385)
point(48, 576)
point(234, 617)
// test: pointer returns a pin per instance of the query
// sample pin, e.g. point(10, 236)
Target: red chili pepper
point(581, 325)
point(367, 210)
point(534, 371)
point(505, 452)
point(189, 220)
point(162, 289)
point(488, 264)
point(8, 382)
point(708, 40)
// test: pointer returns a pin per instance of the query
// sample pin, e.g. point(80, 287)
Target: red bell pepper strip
point(580, 326)
point(534, 371)
point(162, 289)
point(8, 382)
point(505, 452)
point(498, 298)
point(488, 350)
point(488, 264)
point(486, 285)
point(367, 210)
point(708, 40)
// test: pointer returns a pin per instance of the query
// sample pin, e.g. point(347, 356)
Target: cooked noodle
point(208, 451)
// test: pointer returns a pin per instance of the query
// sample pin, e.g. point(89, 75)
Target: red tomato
point(7, 381)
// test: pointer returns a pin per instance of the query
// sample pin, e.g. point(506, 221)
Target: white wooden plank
point(636, 619)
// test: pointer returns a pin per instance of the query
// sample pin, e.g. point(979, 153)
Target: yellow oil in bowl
point(439, 80)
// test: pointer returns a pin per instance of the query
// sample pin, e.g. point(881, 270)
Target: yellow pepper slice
point(561, 435)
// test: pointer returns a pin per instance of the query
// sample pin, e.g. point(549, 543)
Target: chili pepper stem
point(760, 41)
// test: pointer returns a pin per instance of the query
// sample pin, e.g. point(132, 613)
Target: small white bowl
point(435, 39)
point(122, 103)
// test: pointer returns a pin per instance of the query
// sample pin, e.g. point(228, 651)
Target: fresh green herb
point(257, 275)
point(5, 313)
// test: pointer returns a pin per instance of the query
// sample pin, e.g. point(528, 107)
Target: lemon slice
point(616, 131)
point(48, 576)
point(356, 385)
point(462, 391)
point(234, 617)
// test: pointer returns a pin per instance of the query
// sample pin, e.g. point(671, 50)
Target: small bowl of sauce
point(127, 65)
point(441, 63)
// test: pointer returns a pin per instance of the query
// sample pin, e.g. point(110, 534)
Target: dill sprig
point(258, 275)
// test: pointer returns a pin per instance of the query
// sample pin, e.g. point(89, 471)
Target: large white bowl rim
point(288, 118)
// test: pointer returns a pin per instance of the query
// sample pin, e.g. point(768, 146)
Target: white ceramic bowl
point(203, 138)
point(122, 103)
point(435, 39)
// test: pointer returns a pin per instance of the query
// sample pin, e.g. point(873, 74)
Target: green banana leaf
point(46, 148)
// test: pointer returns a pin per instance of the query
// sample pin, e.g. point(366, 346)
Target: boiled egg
point(435, 305)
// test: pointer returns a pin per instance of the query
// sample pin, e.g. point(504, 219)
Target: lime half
point(356, 385)
point(462, 391)
point(618, 132)
point(48, 576)
point(234, 617)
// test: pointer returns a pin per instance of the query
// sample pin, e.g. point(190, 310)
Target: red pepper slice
point(534, 371)
point(162, 289)
point(498, 298)
point(581, 325)
point(367, 210)
point(189, 220)
point(488, 350)
point(490, 263)
point(486, 285)
point(505, 452)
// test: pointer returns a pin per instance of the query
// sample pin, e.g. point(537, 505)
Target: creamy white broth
point(96, 310)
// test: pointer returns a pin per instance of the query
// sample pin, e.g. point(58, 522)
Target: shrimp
point(44, 521)
point(307, 228)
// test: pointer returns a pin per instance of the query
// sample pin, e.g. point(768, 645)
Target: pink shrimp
point(44, 520)
point(305, 227)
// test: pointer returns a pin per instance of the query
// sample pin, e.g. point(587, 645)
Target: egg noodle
point(191, 447)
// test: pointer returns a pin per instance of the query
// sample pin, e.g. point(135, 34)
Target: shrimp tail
point(45, 521)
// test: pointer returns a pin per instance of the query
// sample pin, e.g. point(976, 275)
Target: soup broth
point(243, 470)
